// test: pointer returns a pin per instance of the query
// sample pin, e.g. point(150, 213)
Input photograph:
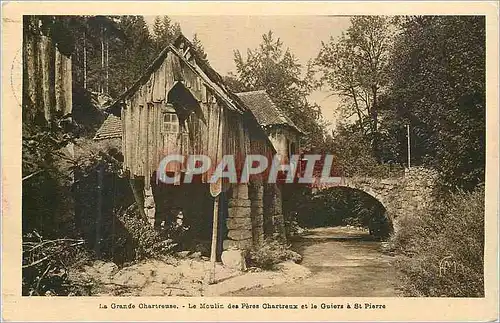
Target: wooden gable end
point(207, 125)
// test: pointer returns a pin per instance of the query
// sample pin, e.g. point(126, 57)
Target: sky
point(221, 35)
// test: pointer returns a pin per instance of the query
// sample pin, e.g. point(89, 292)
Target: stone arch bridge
point(399, 195)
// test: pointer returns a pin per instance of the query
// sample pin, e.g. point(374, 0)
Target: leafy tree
point(355, 66)
point(272, 68)
point(234, 84)
point(352, 150)
point(438, 87)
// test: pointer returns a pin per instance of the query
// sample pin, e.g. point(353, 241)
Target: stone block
point(239, 223)
point(257, 203)
point(256, 192)
point(234, 259)
point(232, 244)
point(150, 214)
point(240, 191)
point(149, 202)
point(239, 203)
point(239, 212)
point(239, 234)
point(257, 221)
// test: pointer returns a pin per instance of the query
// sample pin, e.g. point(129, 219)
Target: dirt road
point(343, 262)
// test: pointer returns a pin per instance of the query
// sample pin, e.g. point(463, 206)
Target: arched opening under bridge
point(347, 207)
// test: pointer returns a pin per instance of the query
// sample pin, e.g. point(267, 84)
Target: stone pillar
point(149, 206)
point(277, 218)
point(268, 210)
point(256, 194)
point(239, 221)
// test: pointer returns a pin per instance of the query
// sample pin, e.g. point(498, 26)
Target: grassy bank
point(440, 251)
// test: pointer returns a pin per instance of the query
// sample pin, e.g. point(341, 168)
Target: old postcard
point(250, 161)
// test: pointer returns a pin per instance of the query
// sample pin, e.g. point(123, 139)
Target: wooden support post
point(138, 199)
point(213, 251)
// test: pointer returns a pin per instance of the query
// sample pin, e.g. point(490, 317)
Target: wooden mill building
point(180, 105)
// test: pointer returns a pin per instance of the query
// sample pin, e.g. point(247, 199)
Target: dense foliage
point(46, 171)
point(441, 249)
point(275, 69)
point(440, 92)
point(354, 155)
point(416, 71)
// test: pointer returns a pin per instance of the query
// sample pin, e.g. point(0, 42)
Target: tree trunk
point(98, 222)
point(32, 108)
point(358, 112)
point(85, 60)
point(63, 84)
point(138, 196)
point(101, 82)
point(374, 117)
point(107, 66)
point(47, 69)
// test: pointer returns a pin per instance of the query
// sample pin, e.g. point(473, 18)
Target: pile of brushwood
point(47, 263)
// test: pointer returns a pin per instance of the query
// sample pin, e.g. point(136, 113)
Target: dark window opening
point(170, 123)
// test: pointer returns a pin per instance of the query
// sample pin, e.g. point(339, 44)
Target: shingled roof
point(264, 109)
point(259, 102)
point(111, 128)
point(211, 78)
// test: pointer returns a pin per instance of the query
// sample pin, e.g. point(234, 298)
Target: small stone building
point(180, 105)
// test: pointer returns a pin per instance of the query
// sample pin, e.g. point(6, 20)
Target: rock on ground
point(185, 277)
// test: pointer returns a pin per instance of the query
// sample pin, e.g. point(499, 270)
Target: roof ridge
point(205, 67)
point(250, 92)
point(281, 117)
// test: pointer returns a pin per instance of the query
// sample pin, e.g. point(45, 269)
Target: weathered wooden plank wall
point(47, 78)
point(210, 128)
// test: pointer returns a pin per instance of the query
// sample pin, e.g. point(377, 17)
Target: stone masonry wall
point(419, 185)
point(256, 195)
point(239, 220)
point(274, 222)
point(399, 196)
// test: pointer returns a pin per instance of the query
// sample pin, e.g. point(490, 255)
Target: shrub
point(293, 228)
point(440, 250)
point(271, 253)
point(47, 178)
point(147, 242)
